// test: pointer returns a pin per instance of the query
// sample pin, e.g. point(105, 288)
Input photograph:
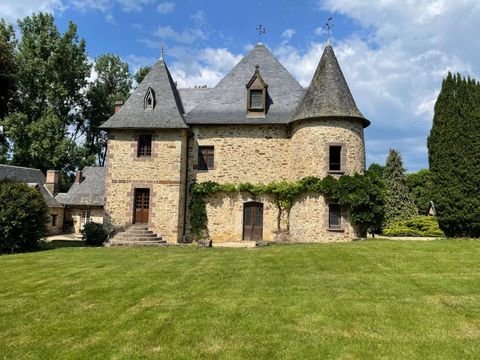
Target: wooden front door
point(253, 221)
point(142, 204)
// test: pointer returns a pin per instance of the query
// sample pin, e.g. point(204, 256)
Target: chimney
point(51, 182)
point(78, 177)
point(118, 105)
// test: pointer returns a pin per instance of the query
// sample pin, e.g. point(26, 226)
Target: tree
point(113, 83)
point(420, 187)
point(8, 68)
point(141, 73)
point(454, 153)
point(23, 217)
point(399, 203)
point(376, 169)
point(52, 71)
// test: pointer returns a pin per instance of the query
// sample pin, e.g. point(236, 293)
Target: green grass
point(361, 300)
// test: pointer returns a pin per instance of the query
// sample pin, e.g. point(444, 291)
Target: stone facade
point(294, 137)
point(266, 153)
point(76, 219)
point(310, 144)
point(161, 173)
point(56, 213)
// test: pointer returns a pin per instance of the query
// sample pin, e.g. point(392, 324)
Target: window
point(335, 158)
point(257, 102)
point(205, 158)
point(149, 100)
point(334, 216)
point(85, 218)
point(144, 145)
point(54, 219)
point(256, 99)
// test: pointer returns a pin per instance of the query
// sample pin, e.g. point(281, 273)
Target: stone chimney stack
point(52, 181)
point(78, 177)
point(118, 105)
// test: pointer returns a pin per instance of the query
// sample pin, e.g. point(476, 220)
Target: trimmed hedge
point(416, 226)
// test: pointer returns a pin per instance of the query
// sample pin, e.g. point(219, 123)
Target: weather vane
point(261, 30)
point(161, 53)
point(329, 27)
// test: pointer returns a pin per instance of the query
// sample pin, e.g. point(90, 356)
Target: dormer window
point(149, 100)
point(256, 95)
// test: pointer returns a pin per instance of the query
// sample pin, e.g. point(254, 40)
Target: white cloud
point(165, 7)
point(287, 35)
point(12, 10)
point(395, 65)
point(187, 36)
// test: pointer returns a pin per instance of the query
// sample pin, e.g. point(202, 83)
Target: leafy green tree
point(113, 83)
point(420, 186)
point(454, 153)
point(399, 203)
point(23, 217)
point(8, 69)
point(141, 73)
point(376, 169)
point(52, 71)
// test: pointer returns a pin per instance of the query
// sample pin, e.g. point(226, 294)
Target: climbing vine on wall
point(362, 194)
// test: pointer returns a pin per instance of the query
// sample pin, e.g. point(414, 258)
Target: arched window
point(149, 100)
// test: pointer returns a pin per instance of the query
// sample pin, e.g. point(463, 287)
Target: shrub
point(23, 217)
point(94, 234)
point(416, 226)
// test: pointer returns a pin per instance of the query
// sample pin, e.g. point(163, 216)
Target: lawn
point(361, 300)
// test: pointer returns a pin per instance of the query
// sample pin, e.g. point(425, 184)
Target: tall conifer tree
point(399, 203)
point(454, 156)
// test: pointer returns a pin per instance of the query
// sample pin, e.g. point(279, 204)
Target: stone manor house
point(257, 125)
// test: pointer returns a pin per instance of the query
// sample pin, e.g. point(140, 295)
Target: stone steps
point(137, 235)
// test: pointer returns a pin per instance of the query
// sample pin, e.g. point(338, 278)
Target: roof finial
point(161, 53)
point(261, 30)
point(329, 25)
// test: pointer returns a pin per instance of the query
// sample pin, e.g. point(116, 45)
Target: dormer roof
point(226, 103)
point(167, 112)
point(328, 94)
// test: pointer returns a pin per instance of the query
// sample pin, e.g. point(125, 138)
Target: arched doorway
point(253, 221)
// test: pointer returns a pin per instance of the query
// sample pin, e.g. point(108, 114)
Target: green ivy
point(362, 194)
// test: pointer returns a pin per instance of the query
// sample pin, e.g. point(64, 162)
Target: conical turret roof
point(167, 112)
point(328, 94)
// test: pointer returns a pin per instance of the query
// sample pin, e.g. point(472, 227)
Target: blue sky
point(393, 53)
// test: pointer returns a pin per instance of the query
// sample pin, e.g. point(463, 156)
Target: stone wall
point(309, 222)
point(242, 153)
point(73, 217)
point(58, 227)
point(161, 173)
point(310, 144)
point(225, 216)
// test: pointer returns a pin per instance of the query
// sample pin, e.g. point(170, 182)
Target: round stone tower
point(327, 127)
point(327, 139)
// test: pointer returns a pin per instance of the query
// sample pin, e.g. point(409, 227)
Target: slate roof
point(90, 191)
point(191, 97)
point(31, 177)
point(226, 103)
point(328, 94)
point(167, 113)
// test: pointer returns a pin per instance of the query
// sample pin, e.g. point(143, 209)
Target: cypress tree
point(399, 203)
point(454, 156)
